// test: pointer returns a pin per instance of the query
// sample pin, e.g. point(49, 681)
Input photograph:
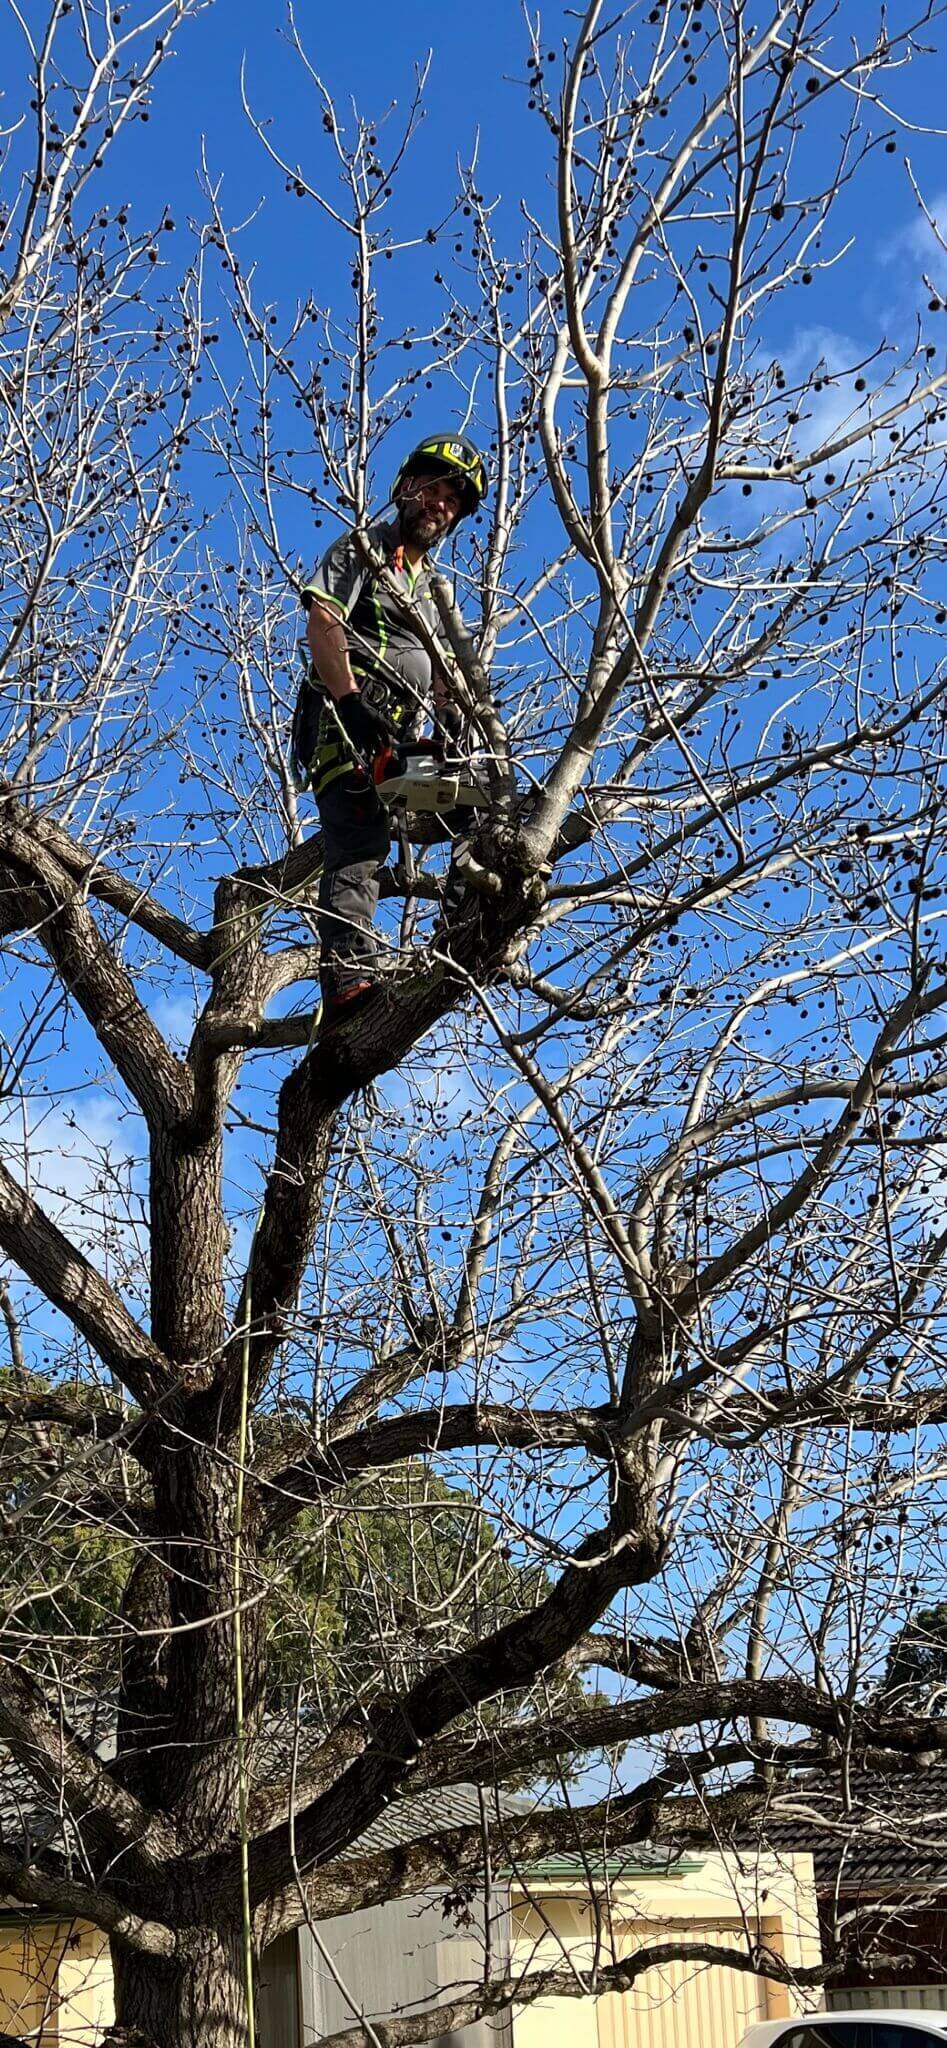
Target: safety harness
point(409, 772)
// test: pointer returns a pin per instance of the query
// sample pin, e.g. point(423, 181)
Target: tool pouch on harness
point(321, 752)
point(407, 771)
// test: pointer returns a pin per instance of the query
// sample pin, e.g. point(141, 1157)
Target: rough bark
point(197, 1997)
point(152, 1838)
point(177, 1715)
point(187, 1250)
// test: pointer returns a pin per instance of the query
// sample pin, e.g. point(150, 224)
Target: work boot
point(343, 994)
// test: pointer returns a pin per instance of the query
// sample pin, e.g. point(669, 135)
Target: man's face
point(429, 505)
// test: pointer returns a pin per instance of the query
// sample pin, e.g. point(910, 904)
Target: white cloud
point(837, 406)
point(922, 245)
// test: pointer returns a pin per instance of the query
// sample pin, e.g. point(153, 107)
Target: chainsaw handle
point(385, 763)
point(391, 757)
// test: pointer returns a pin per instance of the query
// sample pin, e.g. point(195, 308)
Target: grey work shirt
point(383, 646)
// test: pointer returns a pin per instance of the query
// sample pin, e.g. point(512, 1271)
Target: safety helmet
point(447, 455)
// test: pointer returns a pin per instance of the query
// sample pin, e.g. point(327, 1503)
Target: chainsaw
point(417, 776)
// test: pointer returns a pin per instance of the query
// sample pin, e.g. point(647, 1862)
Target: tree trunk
point(187, 1248)
point(195, 1499)
point(144, 1733)
point(177, 1709)
point(196, 2001)
point(177, 1718)
point(177, 1713)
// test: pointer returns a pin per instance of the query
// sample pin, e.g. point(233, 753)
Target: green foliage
point(916, 1669)
point(405, 1570)
point(365, 1591)
point(64, 1577)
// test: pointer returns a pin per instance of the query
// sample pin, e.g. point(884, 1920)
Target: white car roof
point(767, 2033)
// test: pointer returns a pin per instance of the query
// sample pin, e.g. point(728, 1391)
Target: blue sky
point(476, 89)
point(369, 54)
point(476, 95)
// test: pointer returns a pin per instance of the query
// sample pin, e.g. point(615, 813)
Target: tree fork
point(309, 1103)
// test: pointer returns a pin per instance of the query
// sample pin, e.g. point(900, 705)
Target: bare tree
point(611, 1228)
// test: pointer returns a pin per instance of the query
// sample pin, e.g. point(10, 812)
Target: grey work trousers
point(356, 831)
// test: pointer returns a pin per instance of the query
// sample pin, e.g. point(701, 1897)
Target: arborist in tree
point(371, 685)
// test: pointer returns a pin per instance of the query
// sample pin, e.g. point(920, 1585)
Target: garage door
point(680, 2005)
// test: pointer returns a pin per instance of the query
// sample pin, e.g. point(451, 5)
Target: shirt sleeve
point(338, 578)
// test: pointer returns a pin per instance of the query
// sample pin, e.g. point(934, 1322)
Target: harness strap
point(332, 754)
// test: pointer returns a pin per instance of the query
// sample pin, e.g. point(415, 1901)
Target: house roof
point(646, 1859)
point(429, 1813)
point(26, 1817)
point(880, 1833)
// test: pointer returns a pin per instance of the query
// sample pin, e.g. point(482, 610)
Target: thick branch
point(515, 1751)
point(352, 1883)
point(90, 970)
point(45, 1746)
point(509, 1659)
point(244, 978)
point(444, 1429)
point(653, 1811)
point(78, 1417)
point(109, 886)
point(401, 2030)
point(70, 1900)
point(653, 1661)
point(79, 1291)
point(376, 1041)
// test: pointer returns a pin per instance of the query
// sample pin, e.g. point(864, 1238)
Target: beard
point(420, 525)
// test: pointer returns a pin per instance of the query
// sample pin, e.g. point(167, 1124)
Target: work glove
point(367, 728)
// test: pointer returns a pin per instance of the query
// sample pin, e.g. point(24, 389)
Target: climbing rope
point(242, 1799)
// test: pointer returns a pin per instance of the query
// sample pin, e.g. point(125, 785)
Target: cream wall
point(55, 1983)
point(59, 1978)
point(675, 2005)
point(87, 2006)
